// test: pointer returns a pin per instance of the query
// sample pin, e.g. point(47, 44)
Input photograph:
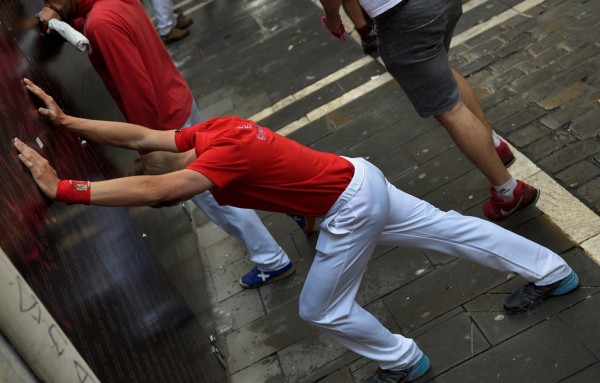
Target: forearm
point(113, 133)
point(163, 190)
point(331, 8)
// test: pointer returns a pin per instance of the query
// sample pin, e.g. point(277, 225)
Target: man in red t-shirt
point(246, 165)
point(140, 75)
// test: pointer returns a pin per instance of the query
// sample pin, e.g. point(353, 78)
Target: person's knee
point(311, 313)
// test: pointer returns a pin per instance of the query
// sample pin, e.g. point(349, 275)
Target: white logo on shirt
point(261, 135)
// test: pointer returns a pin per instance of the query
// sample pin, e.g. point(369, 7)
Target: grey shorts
point(413, 41)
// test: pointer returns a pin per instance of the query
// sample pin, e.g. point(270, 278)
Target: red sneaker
point(506, 155)
point(524, 196)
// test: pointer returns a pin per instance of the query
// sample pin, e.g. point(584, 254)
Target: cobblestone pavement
point(535, 66)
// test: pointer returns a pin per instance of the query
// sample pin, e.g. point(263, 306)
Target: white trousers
point(165, 17)
point(242, 224)
point(373, 212)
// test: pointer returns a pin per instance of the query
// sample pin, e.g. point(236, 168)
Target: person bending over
point(246, 165)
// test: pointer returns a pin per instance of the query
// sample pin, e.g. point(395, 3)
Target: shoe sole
point(570, 284)
point(287, 274)
point(509, 163)
point(419, 369)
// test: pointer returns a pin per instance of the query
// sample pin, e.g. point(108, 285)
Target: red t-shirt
point(253, 167)
point(131, 59)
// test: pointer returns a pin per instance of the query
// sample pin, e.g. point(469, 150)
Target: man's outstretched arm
point(165, 189)
point(113, 133)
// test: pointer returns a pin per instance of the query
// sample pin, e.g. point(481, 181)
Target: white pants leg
point(415, 223)
point(245, 226)
point(165, 17)
point(371, 211)
point(242, 224)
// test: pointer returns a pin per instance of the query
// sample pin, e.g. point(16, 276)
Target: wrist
point(73, 192)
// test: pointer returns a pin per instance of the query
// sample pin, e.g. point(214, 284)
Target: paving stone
point(442, 200)
point(497, 97)
point(302, 107)
point(585, 52)
point(361, 76)
point(440, 291)
point(391, 271)
point(430, 145)
point(505, 109)
point(477, 65)
point(224, 253)
point(312, 132)
point(393, 164)
point(586, 126)
point(535, 78)
point(544, 232)
point(497, 326)
point(483, 12)
point(313, 352)
point(546, 353)
point(238, 311)
point(548, 144)
point(278, 294)
point(514, 46)
point(267, 370)
point(430, 175)
point(357, 131)
point(590, 192)
point(266, 336)
point(496, 82)
point(369, 140)
point(453, 342)
point(365, 103)
point(585, 376)
point(565, 114)
point(525, 135)
point(544, 59)
point(519, 119)
point(573, 153)
point(580, 321)
point(340, 376)
point(469, 190)
point(563, 96)
point(578, 174)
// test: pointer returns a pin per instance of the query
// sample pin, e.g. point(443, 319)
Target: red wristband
point(72, 192)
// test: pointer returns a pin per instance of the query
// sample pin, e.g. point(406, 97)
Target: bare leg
point(468, 96)
point(474, 138)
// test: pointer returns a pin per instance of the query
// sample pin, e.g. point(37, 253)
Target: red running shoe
point(506, 155)
point(524, 197)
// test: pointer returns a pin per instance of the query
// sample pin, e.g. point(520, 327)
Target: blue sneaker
point(307, 224)
point(256, 278)
point(409, 375)
point(530, 296)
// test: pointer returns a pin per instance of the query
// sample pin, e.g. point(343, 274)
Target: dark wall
point(100, 271)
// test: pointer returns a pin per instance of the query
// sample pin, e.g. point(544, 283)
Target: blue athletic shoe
point(307, 224)
point(409, 375)
point(530, 296)
point(256, 278)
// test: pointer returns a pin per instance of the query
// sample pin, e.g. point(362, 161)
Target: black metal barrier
point(111, 277)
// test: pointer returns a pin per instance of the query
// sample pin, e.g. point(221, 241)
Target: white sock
point(496, 139)
point(506, 191)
